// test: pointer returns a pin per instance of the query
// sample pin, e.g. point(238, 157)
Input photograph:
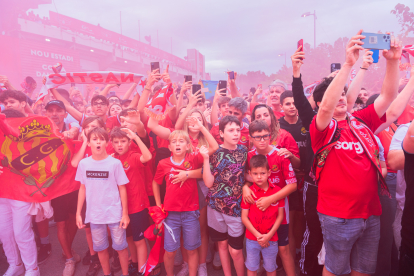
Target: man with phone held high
point(348, 202)
point(276, 88)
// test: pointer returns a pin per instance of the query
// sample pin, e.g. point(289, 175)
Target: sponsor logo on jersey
point(350, 146)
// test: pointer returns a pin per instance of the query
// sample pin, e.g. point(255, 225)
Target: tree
point(405, 19)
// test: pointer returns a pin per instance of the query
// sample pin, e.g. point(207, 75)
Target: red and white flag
point(308, 90)
point(405, 57)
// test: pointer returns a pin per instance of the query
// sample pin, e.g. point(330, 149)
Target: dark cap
point(57, 103)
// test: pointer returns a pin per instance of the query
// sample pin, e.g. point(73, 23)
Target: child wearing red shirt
point(138, 202)
point(181, 200)
point(283, 176)
point(261, 233)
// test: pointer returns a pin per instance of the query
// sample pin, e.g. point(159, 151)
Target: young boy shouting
point(103, 180)
point(223, 174)
point(138, 202)
point(261, 235)
point(282, 175)
point(181, 200)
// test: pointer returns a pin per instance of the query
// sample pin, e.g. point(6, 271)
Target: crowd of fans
point(270, 182)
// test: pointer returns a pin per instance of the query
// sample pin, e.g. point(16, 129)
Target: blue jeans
point(100, 237)
point(350, 244)
point(269, 254)
point(188, 223)
point(387, 259)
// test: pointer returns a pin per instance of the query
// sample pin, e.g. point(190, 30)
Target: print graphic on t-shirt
point(350, 146)
point(97, 174)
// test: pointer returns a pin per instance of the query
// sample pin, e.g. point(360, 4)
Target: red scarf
point(364, 136)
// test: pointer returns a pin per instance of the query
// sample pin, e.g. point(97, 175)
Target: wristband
point(364, 68)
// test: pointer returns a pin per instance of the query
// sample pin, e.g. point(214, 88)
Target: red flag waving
point(160, 104)
point(35, 160)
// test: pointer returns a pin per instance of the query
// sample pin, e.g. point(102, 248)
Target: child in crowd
point(134, 165)
point(103, 180)
point(261, 234)
point(282, 175)
point(223, 174)
point(181, 200)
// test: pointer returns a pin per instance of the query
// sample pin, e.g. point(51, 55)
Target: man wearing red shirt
point(238, 108)
point(346, 166)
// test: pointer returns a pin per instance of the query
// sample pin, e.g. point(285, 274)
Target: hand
point(194, 98)
point(264, 240)
point(133, 117)
point(352, 49)
point(286, 153)
point(367, 59)
point(5, 80)
point(248, 195)
point(218, 95)
point(297, 61)
point(193, 121)
point(181, 177)
point(207, 112)
point(186, 87)
point(153, 77)
point(165, 76)
point(231, 81)
point(83, 137)
point(258, 91)
point(79, 222)
point(395, 51)
point(68, 135)
point(131, 135)
point(263, 203)
point(204, 152)
point(124, 222)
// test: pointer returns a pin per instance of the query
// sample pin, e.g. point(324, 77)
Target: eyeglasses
point(259, 138)
point(114, 100)
point(99, 104)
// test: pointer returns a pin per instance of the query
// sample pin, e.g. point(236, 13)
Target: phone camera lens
point(385, 36)
point(388, 36)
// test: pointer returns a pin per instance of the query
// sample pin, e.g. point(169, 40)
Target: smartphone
point(118, 84)
point(188, 78)
point(223, 84)
point(231, 75)
point(376, 41)
point(155, 66)
point(300, 43)
point(335, 67)
point(195, 88)
point(375, 55)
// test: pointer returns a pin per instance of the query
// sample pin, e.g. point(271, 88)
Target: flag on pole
point(211, 86)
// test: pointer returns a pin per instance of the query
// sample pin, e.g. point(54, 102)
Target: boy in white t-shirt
point(103, 180)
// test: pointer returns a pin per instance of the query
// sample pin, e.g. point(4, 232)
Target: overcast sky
point(237, 35)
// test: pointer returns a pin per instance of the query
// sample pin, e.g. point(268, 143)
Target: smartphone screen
point(155, 66)
point(335, 67)
point(195, 88)
point(222, 85)
point(188, 78)
point(231, 75)
point(300, 43)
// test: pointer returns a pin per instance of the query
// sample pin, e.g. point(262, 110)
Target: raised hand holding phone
point(367, 59)
point(395, 51)
point(166, 76)
point(297, 61)
point(353, 47)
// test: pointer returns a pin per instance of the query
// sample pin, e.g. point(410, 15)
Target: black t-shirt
point(299, 133)
point(407, 221)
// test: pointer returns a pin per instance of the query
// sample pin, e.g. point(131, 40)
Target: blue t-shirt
point(228, 168)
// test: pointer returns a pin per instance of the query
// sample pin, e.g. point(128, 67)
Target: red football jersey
point(185, 198)
point(282, 173)
point(286, 140)
point(136, 190)
point(348, 184)
point(263, 221)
